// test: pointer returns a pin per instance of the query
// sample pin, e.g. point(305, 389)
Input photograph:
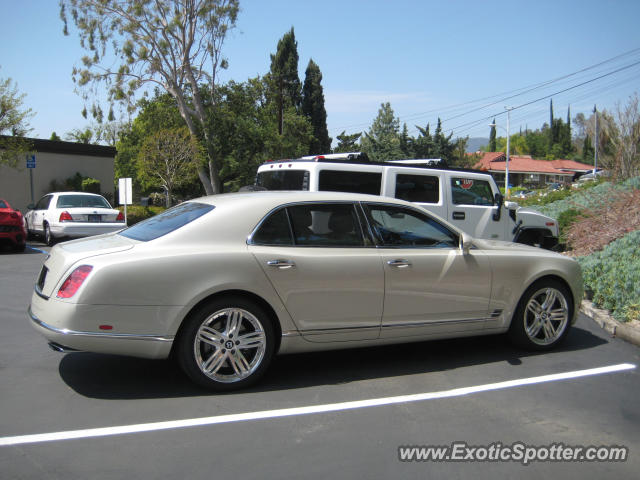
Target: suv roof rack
point(362, 157)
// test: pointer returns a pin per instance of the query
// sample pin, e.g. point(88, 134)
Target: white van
point(469, 199)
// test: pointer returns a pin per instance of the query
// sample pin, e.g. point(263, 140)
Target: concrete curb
point(614, 327)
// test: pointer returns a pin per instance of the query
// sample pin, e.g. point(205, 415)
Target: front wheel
point(226, 344)
point(543, 316)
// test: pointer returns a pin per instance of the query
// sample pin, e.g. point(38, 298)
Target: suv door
point(472, 207)
point(431, 287)
point(325, 270)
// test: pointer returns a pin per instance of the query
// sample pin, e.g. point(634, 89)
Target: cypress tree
point(492, 137)
point(313, 108)
point(283, 77)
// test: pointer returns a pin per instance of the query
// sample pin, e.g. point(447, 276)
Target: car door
point(472, 207)
point(431, 286)
point(327, 273)
point(37, 214)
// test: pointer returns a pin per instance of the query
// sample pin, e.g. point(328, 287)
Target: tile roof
point(496, 161)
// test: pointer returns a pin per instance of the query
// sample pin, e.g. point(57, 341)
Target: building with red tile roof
point(525, 170)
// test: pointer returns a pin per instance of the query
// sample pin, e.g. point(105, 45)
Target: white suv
point(469, 199)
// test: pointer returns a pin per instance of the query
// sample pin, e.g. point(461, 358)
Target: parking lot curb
point(614, 327)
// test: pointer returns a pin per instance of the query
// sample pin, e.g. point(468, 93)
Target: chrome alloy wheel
point(229, 345)
point(546, 316)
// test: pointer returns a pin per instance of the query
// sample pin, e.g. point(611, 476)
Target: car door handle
point(399, 262)
point(281, 263)
point(458, 215)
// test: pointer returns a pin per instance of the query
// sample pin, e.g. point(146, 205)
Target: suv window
point(167, 221)
point(326, 225)
point(350, 181)
point(284, 180)
point(469, 191)
point(418, 188)
point(405, 228)
point(274, 230)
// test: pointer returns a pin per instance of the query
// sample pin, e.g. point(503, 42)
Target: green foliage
point(91, 185)
point(565, 220)
point(313, 109)
point(382, 141)
point(137, 213)
point(284, 83)
point(54, 137)
point(612, 276)
point(347, 143)
point(14, 124)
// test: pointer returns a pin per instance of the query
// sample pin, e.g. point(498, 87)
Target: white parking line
point(287, 412)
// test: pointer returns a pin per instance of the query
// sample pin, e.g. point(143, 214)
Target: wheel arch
point(257, 299)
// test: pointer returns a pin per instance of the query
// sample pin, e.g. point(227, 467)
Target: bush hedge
point(612, 277)
point(137, 213)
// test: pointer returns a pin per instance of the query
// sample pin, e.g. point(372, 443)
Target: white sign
point(125, 191)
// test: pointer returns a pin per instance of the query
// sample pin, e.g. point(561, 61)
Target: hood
point(509, 246)
point(64, 255)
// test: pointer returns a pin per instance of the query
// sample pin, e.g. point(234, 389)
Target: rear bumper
point(145, 346)
point(79, 230)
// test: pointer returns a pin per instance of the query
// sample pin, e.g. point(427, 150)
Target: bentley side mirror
point(466, 242)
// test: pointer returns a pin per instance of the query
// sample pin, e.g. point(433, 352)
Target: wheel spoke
point(549, 331)
point(239, 363)
point(209, 336)
point(534, 328)
point(234, 319)
point(251, 340)
point(558, 314)
point(534, 307)
point(214, 362)
point(549, 300)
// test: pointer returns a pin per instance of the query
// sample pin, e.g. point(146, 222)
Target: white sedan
point(225, 282)
point(72, 215)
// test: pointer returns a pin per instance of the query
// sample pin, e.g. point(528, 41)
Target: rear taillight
point(120, 217)
point(66, 217)
point(74, 281)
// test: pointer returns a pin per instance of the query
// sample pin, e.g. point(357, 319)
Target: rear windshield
point(2, 204)
point(167, 221)
point(93, 201)
point(284, 180)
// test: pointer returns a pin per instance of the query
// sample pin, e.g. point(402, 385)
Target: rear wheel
point(48, 237)
point(543, 317)
point(226, 344)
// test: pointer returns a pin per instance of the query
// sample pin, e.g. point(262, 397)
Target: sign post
point(31, 164)
point(126, 194)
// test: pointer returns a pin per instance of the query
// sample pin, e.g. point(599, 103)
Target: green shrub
point(91, 185)
point(565, 220)
point(612, 276)
point(137, 213)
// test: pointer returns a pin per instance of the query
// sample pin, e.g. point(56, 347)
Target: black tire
point(20, 248)
point(209, 347)
point(48, 237)
point(542, 319)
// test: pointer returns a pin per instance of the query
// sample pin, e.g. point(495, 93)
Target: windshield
point(167, 221)
point(284, 180)
point(93, 201)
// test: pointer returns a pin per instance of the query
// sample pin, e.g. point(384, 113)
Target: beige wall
point(14, 183)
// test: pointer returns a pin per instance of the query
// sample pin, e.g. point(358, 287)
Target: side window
point(469, 191)
point(43, 203)
point(418, 188)
point(353, 182)
point(274, 230)
point(405, 228)
point(326, 225)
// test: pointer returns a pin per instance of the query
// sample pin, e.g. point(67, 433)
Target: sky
point(461, 60)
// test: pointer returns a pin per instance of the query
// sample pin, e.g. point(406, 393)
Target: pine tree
point(283, 77)
point(347, 143)
point(313, 108)
point(382, 141)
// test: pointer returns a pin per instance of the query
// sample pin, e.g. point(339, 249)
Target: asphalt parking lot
point(134, 418)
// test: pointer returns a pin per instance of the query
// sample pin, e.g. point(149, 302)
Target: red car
point(12, 230)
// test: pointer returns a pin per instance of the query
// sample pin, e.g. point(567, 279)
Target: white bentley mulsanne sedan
point(225, 282)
